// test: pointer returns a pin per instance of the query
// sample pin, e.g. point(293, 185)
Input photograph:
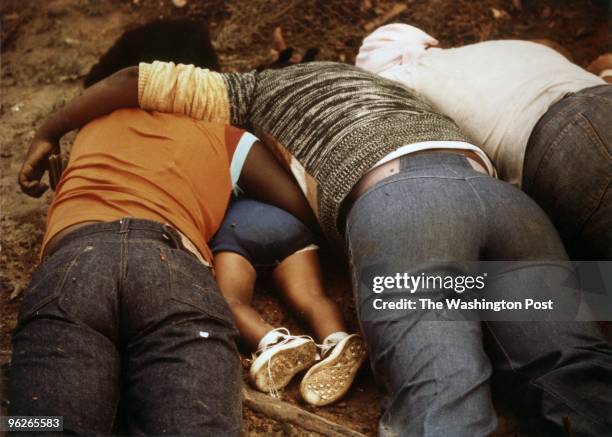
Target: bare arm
point(117, 91)
point(264, 179)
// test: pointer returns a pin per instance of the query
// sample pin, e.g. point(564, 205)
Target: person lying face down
point(542, 120)
point(125, 298)
point(173, 171)
point(401, 187)
point(257, 239)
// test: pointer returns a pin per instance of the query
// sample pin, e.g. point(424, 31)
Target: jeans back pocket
point(47, 281)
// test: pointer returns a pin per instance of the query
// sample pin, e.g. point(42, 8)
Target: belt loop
point(404, 163)
point(170, 234)
point(125, 225)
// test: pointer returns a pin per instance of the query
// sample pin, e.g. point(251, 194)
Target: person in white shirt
point(544, 122)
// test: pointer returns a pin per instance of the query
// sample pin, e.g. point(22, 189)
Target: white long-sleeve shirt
point(496, 91)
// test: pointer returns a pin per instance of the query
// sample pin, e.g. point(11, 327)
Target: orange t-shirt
point(148, 165)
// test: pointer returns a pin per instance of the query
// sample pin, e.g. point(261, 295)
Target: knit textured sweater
point(329, 123)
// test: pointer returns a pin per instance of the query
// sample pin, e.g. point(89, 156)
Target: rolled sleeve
point(183, 89)
point(240, 154)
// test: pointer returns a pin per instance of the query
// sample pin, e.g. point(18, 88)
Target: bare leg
point(236, 278)
point(300, 281)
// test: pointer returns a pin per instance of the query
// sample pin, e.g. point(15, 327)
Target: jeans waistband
point(431, 165)
point(416, 162)
point(566, 100)
point(592, 90)
point(136, 228)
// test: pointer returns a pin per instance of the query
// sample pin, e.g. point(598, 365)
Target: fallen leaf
point(499, 13)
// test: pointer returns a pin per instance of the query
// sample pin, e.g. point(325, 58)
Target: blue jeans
point(568, 171)
point(435, 373)
point(121, 310)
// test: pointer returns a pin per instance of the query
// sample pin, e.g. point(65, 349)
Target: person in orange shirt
point(125, 304)
point(142, 195)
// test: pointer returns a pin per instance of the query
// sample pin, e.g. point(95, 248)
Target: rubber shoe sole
point(329, 380)
point(275, 367)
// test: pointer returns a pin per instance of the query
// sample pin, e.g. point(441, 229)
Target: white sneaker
point(329, 380)
point(276, 363)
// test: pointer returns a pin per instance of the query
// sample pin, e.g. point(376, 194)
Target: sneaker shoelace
point(326, 347)
point(284, 338)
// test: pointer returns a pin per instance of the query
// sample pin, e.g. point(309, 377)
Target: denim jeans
point(263, 234)
point(568, 171)
point(121, 310)
point(435, 373)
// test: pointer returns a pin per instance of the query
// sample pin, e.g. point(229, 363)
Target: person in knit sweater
point(408, 195)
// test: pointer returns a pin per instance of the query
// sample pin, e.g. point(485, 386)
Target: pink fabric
point(392, 45)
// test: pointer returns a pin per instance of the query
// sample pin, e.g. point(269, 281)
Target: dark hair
point(178, 40)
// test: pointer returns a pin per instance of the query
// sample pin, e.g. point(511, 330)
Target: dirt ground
point(49, 45)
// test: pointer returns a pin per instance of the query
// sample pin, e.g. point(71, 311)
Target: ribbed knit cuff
point(144, 72)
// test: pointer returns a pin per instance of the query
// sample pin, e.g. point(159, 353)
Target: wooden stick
point(279, 40)
point(397, 9)
point(286, 412)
